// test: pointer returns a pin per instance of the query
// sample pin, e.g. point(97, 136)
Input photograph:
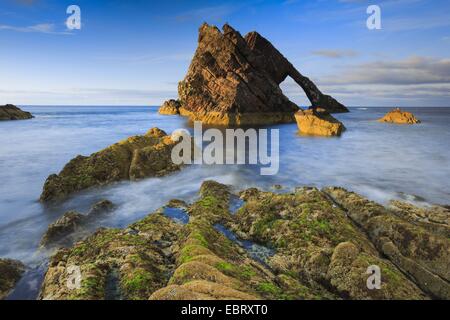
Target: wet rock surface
point(10, 273)
point(321, 245)
point(71, 222)
point(399, 116)
point(234, 80)
point(11, 112)
point(135, 158)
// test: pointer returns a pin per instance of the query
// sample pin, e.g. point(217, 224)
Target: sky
point(134, 52)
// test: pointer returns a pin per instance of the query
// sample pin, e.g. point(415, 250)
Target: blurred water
point(380, 161)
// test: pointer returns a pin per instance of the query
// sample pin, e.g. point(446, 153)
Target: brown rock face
point(400, 117)
point(170, 107)
point(313, 122)
point(11, 112)
point(234, 80)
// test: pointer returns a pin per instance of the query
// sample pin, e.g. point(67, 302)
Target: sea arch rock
point(234, 80)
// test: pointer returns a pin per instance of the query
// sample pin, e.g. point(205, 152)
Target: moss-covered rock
point(308, 232)
point(137, 255)
point(413, 248)
point(10, 272)
point(131, 159)
point(11, 112)
point(321, 251)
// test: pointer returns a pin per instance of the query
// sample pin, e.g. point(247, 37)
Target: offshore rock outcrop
point(11, 112)
point(321, 251)
point(135, 158)
point(10, 272)
point(318, 123)
point(399, 116)
point(234, 80)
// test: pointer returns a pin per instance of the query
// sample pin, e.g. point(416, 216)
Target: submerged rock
point(170, 107)
point(321, 252)
point(131, 159)
point(399, 117)
point(10, 272)
point(234, 80)
point(318, 123)
point(71, 222)
point(11, 112)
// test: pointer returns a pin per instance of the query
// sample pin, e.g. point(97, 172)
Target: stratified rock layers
point(235, 81)
point(11, 112)
point(131, 159)
point(320, 251)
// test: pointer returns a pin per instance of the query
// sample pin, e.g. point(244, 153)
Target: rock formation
point(415, 248)
point(399, 117)
point(235, 81)
point(10, 272)
point(59, 231)
point(131, 159)
point(11, 112)
point(170, 107)
point(318, 123)
point(320, 251)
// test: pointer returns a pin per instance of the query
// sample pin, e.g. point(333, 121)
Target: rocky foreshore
point(235, 80)
point(11, 112)
point(307, 244)
point(134, 158)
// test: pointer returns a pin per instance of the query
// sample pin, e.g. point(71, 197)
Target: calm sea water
point(380, 161)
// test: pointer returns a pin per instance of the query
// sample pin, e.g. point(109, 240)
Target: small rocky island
point(318, 122)
point(235, 80)
point(305, 244)
point(11, 112)
point(399, 116)
point(134, 158)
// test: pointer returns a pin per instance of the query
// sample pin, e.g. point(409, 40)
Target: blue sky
point(133, 52)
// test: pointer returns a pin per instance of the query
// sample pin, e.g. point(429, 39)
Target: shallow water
point(378, 160)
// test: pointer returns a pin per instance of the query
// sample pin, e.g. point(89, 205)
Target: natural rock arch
point(234, 80)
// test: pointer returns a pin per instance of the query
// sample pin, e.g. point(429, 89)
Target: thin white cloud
point(335, 54)
point(48, 28)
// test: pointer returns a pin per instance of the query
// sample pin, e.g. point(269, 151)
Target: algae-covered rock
point(319, 251)
point(311, 235)
point(413, 248)
point(170, 107)
point(130, 261)
point(131, 159)
point(10, 272)
point(11, 112)
point(318, 123)
point(399, 116)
